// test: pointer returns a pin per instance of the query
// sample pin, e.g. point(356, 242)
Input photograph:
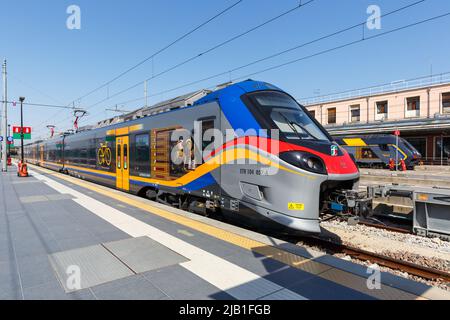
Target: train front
point(306, 171)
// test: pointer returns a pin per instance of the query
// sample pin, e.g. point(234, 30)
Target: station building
point(419, 108)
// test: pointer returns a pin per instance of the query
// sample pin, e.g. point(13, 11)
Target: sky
point(49, 63)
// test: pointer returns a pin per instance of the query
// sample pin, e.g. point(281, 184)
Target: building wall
point(397, 106)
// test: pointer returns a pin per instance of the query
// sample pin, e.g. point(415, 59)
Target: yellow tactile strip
point(324, 271)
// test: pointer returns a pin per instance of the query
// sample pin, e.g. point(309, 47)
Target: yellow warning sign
point(296, 206)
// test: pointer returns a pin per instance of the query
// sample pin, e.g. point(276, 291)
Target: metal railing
point(395, 86)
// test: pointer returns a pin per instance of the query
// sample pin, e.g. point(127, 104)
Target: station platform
point(65, 238)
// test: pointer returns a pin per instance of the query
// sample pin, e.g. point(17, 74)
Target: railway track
point(405, 230)
point(385, 261)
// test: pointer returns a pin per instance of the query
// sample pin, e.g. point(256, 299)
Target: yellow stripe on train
point(355, 142)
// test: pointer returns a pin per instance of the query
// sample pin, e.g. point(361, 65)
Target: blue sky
point(49, 63)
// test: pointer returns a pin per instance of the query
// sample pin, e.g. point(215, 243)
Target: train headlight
point(304, 160)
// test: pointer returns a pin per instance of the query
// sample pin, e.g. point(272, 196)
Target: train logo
point(104, 155)
point(334, 151)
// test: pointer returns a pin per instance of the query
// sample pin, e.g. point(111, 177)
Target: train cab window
point(141, 156)
point(384, 147)
point(285, 114)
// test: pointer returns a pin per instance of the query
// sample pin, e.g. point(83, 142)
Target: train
point(378, 150)
point(248, 151)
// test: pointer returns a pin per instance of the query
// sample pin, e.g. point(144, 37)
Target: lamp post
point(9, 143)
point(22, 99)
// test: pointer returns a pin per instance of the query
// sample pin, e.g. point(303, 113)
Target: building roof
point(393, 87)
point(436, 124)
point(182, 101)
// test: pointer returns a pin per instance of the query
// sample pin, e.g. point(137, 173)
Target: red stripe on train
point(335, 165)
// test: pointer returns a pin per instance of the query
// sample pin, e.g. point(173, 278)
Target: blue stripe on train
point(200, 183)
point(197, 184)
point(94, 174)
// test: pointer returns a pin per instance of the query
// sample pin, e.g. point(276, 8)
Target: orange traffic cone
point(392, 164)
point(403, 165)
point(22, 170)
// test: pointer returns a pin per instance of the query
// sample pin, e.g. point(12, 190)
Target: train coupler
point(350, 202)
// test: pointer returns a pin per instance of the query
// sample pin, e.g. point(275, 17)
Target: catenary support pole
point(5, 119)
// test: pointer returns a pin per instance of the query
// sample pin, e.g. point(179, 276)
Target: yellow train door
point(122, 163)
point(41, 155)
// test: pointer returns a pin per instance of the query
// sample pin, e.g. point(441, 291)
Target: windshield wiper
point(306, 130)
point(292, 126)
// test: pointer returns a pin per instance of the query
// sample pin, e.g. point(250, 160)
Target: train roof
point(191, 99)
point(186, 100)
point(377, 137)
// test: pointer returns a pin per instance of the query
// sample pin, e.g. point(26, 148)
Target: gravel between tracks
point(432, 253)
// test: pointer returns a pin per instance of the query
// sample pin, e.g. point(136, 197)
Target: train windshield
point(287, 115)
point(411, 147)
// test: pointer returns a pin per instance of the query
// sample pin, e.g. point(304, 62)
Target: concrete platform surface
point(65, 238)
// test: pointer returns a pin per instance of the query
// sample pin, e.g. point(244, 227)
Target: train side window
point(141, 155)
point(119, 156)
point(125, 156)
point(206, 125)
point(367, 153)
point(177, 156)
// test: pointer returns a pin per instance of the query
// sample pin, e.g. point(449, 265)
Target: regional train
point(376, 151)
point(248, 151)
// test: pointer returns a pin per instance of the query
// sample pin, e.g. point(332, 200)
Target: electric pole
point(5, 119)
point(22, 99)
point(146, 93)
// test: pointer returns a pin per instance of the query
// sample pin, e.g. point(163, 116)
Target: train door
point(123, 163)
point(41, 155)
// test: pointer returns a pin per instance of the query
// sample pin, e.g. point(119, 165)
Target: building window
point(355, 113)
point(382, 110)
point(413, 107)
point(332, 116)
point(420, 144)
point(446, 102)
point(442, 147)
point(312, 113)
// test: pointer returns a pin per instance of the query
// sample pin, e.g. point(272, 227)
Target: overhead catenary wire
point(274, 55)
point(158, 52)
point(205, 52)
point(313, 55)
point(215, 47)
point(365, 38)
point(39, 105)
